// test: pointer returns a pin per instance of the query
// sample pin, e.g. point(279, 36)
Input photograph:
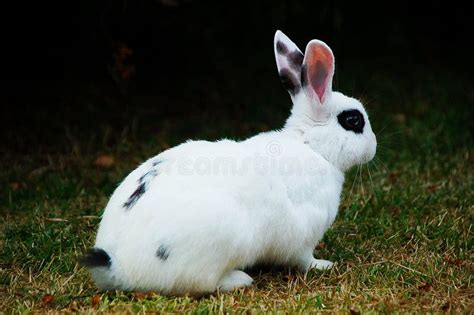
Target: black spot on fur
point(289, 80)
point(281, 48)
point(304, 77)
point(163, 252)
point(132, 200)
point(155, 163)
point(295, 60)
point(96, 257)
point(150, 174)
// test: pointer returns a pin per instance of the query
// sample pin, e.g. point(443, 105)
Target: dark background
point(77, 69)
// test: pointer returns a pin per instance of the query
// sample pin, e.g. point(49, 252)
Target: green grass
point(403, 239)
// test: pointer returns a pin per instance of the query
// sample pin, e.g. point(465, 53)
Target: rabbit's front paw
point(321, 264)
point(233, 280)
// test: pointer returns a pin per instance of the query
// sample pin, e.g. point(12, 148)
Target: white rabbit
point(190, 219)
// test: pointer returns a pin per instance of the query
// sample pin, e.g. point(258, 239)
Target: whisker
point(374, 164)
point(383, 165)
point(361, 184)
point(371, 182)
point(383, 128)
point(353, 183)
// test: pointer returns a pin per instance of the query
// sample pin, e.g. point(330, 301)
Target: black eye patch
point(351, 120)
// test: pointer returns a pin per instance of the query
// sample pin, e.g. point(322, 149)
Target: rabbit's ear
point(317, 70)
point(289, 60)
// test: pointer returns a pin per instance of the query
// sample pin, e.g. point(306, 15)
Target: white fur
point(217, 210)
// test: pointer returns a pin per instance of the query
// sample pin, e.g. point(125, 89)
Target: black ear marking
point(290, 82)
point(281, 48)
point(304, 77)
point(163, 252)
point(295, 60)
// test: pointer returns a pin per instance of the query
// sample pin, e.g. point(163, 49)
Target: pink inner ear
point(319, 62)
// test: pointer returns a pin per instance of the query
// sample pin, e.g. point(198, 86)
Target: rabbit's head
point(332, 124)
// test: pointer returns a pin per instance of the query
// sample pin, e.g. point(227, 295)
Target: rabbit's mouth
point(372, 150)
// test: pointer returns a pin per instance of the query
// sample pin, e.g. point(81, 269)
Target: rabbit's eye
point(351, 120)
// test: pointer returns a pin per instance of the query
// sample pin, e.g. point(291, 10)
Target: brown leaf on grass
point(425, 287)
point(321, 245)
point(104, 161)
point(433, 187)
point(139, 295)
point(144, 295)
point(15, 186)
point(95, 300)
point(350, 264)
point(47, 299)
point(453, 261)
point(394, 175)
point(354, 312)
point(395, 210)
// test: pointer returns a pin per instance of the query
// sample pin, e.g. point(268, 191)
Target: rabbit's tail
point(96, 257)
point(100, 265)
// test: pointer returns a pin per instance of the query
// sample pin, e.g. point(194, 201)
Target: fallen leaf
point(433, 187)
point(354, 312)
point(95, 300)
point(394, 175)
point(104, 161)
point(395, 210)
point(321, 245)
point(425, 287)
point(47, 299)
point(139, 295)
point(350, 264)
point(15, 186)
point(453, 261)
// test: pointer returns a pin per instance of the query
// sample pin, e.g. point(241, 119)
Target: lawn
point(403, 239)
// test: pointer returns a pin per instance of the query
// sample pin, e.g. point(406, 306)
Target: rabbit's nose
point(372, 148)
